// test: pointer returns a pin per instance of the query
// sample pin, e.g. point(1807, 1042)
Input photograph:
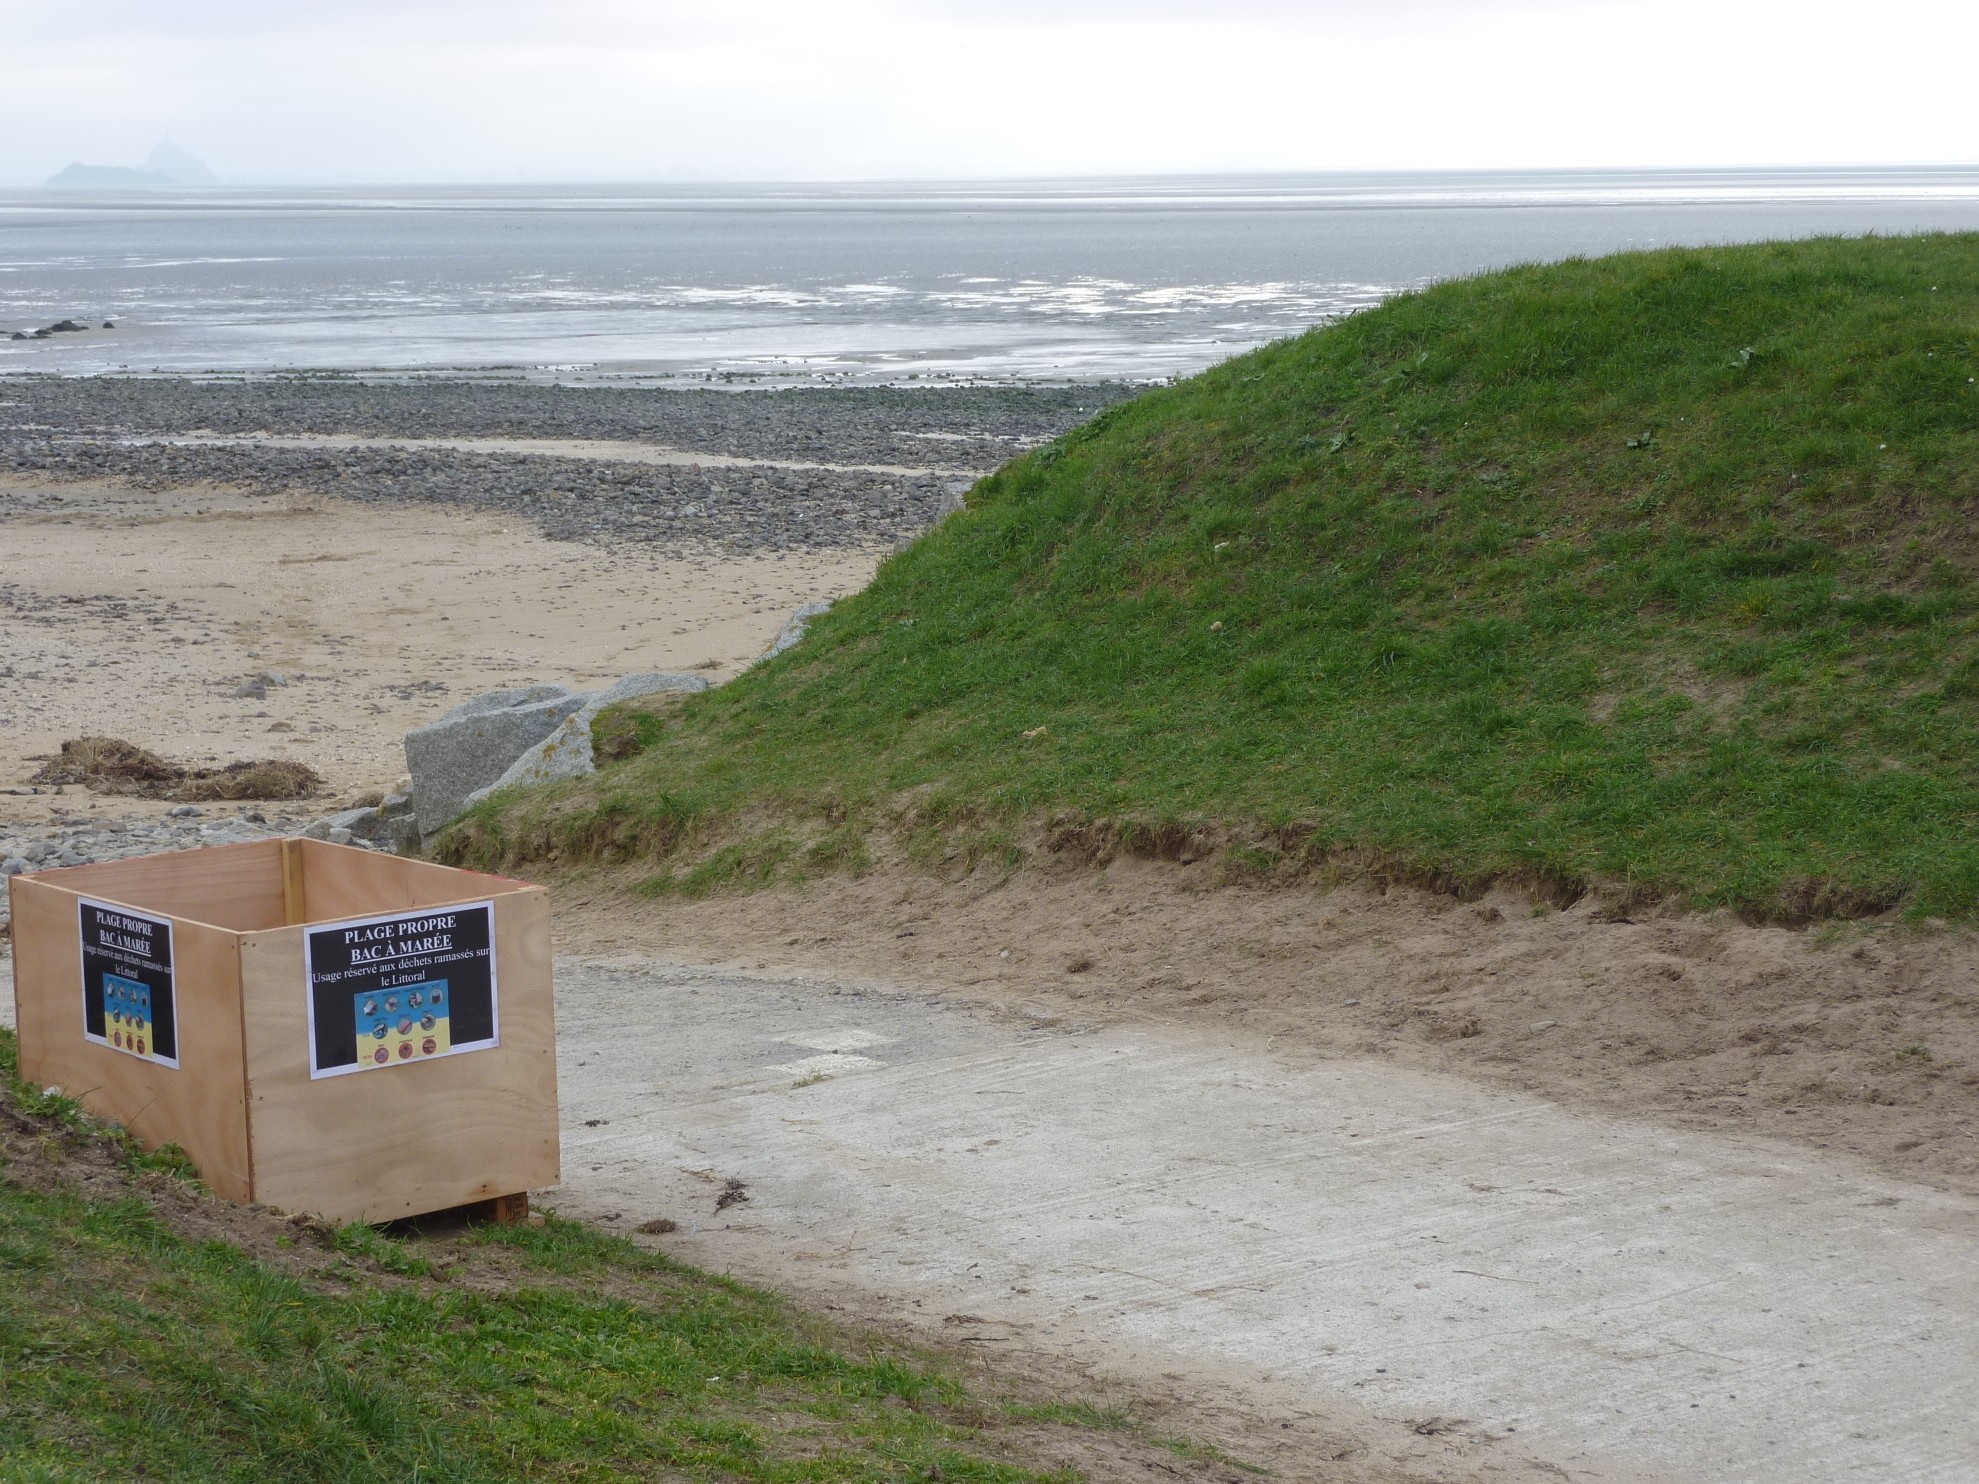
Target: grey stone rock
point(396, 827)
point(184, 811)
point(13, 865)
point(353, 824)
point(953, 500)
point(401, 835)
point(391, 826)
point(473, 745)
point(251, 690)
point(794, 630)
point(566, 752)
point(503, 700)
point(647, 683)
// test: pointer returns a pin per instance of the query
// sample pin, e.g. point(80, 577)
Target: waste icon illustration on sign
point(400, 1027)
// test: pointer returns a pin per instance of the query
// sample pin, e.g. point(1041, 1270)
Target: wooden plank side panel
point(293, 906)
point(400, 1141)
point(47, 957)
point(341, 881)
point(229, 886)
point(201, 1104)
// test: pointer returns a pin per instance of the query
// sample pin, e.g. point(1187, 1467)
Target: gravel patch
point(975, 426)
point(80, 429)
point(87, 839)
point(743, 510)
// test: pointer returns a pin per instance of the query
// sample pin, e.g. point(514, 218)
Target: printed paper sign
point(127, 986)
point(390, 991)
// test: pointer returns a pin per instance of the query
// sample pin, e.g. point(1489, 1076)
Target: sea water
point(748, 285)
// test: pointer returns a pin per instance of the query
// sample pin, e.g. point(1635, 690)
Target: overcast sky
point(493, 90)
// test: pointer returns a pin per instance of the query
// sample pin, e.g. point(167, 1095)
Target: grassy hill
point(1654, 570)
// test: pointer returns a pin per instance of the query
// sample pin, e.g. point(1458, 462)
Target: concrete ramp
point(1621, 1299)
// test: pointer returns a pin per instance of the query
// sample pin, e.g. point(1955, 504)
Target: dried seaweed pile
point(110, 765)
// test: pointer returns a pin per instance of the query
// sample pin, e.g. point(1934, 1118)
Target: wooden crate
point(247, 1065)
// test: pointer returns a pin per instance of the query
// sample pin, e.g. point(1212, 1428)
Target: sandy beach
point(142, 614)
point(306, 569)
point(373, 555)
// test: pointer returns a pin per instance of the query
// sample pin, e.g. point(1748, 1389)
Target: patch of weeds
point(1197, 1452)
point(66, 1113)
point(380, 1249)
point(843, 849)
point(1074, 1414)
point(567, 1248)
point(630, 728)
point(170, 1159)
point(1251, 862)
point(740, 865)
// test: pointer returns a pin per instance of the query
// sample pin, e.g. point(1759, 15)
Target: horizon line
point(712, 182)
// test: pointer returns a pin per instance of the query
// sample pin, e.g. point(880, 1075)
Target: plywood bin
point(320, 1028)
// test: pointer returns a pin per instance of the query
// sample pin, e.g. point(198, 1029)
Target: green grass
point(1655, 570)
point(547, 1351)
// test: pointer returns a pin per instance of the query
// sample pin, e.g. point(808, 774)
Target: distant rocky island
point(167, 165)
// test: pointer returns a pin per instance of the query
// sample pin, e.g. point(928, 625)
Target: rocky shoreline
point(981, 425)
point(92, 428)
point(85, 839)
point(96, 429)
point(596, 501)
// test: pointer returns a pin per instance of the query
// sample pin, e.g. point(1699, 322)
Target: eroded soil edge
point(1860, 1040)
